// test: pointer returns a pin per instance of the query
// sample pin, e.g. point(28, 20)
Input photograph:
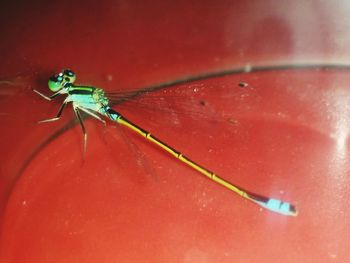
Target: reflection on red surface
point(284, 135)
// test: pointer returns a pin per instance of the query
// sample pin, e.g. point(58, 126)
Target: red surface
point(285, 135)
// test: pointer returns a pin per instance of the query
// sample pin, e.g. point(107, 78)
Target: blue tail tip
point(281, 207)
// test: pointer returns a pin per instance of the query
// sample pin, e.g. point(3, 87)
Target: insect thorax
point(99, 96)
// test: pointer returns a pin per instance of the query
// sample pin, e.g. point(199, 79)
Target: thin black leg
point(77, 113)
point(58, 116)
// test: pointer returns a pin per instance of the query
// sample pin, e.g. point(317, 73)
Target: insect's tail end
point(274, 205)
point(279, 207)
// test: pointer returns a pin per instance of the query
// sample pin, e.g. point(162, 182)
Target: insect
point(94, 102)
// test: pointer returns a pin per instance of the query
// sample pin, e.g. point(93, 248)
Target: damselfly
point(94, 102)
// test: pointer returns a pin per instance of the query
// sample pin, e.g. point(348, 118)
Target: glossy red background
point(285, 135)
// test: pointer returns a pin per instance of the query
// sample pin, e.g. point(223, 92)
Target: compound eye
point(58, 78)
point(68, 72)
point(69, 76)
point(55, 82)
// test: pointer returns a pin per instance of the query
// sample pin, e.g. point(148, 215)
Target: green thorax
point(88, 97)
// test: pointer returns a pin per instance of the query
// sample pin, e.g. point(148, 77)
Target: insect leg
point(58, 116)
point(46, 97)
point(77, 113)
point(92, 114)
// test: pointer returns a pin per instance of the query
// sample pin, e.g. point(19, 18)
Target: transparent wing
point(195, 101)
